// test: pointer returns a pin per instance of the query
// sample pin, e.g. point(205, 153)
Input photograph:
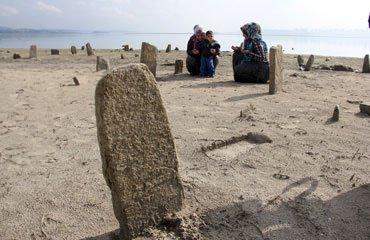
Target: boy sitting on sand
point(209, 49)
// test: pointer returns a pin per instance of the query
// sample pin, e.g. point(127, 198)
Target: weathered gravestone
point(102, 64)
point(335, 117)
point(54, 52)
point(276, 69)
point(89, 50)
point(149, 56)
point(309, 63)
point(33, 51)
point(366, 66)
point(300, 60)
point(138, 153)
point(179, 65)
point(168, 49)
point(73, 50)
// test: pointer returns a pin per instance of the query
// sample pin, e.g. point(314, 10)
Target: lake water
point(352, 44)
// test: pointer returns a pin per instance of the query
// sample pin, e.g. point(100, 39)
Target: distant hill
point(28, 30)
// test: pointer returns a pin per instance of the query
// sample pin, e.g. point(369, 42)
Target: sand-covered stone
point(276, 69)
point(137, 149)
point(365, 108)
point(33, 51)
point(54, 52)
point(168, 49)
point(309, 63)
point(89, 50)
point(102, 64)
point(148, 56)
point(16, 56)
point(73, 50)
point(179, 65)
point(300, 60)
point(366, 66)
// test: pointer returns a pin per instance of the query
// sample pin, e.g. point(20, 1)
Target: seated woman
point(194, 56)
point(250, 62)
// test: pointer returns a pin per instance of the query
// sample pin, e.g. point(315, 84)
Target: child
point(209, 49)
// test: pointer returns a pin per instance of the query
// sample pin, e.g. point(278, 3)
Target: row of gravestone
point(33, 51)
point(309, 64)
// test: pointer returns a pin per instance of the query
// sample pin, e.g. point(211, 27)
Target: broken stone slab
point(309, 63)
point(73, 50)
point(148, 56)
point(177, 49)
point(54, 52)
point(276, 69)
point(300, 60)
point(137, 149)
point(16, 56)
point(102, 63)
point(342, 68)
point(365, 108)
point(168, 49)
point(366, 66)
point(179, 65)
point(89, 50)
point(33, 51)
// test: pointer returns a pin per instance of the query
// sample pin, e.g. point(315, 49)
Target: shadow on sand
point(303, 216)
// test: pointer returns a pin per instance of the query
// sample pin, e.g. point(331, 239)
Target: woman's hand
point(195, 52)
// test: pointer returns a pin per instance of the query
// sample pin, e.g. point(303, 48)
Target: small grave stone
point(75, 81)
point(148, 56)
point(101, 64)
point(366, 66)
point(276, 69)
point(335, 117)
point(168, 49)
point(33, 51)
point(89, 50)
point(16, 56)
point(140, 165)
point(179, 65)
point(54, 52)
point(83, 48)
point(309, 63)
point(73, 50)
point(177, 49)
point(126, 48)
point(300, 60)
point(122, 57)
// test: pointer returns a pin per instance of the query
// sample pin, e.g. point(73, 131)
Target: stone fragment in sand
point(300, 60)
point(179, 65)
point(148, 56)
point(16, 56)
point(137, 148)
point(365, 108)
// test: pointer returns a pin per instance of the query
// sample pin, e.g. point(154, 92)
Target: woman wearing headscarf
point(250, 62)
point(194, 56)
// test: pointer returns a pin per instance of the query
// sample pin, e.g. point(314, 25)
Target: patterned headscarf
point(252, 30)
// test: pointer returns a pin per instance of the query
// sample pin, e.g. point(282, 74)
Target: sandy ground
point(51, 183)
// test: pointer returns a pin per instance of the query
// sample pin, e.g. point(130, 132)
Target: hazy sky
point(181, 15)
